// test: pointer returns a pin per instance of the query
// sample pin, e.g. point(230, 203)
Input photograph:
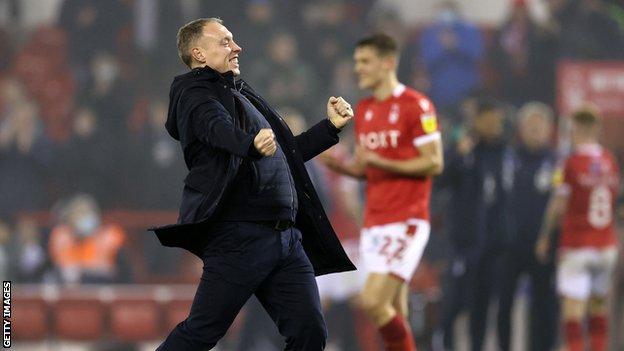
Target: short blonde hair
point(535, 107)
point(188, 34)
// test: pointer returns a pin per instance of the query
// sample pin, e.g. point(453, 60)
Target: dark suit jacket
point(203, 117)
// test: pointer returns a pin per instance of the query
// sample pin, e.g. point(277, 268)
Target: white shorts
point(585, 272)
point(342, 286)
point(394, 248)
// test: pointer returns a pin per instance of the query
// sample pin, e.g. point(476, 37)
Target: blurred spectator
point(329, 31)
point(154, 162)
point(155, 24)
point(6, 48)
point(296, 85)
point(451, 49)
point(533, 167)
point(88, 153)
point(85, 250)
point(522, 51)
point(260, 21)
point(615, 9)
point(492, 165)
point(24, 152)
point(342, 82)
point(108, 93)
point(30, 258)
point(474, 178)
point(85, 20)
point(586, 31)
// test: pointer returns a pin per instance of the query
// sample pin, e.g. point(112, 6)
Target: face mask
point(447, 16)
point(86, 225)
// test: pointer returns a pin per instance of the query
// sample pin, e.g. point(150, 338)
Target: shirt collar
point(589, 148)
point(398, 90)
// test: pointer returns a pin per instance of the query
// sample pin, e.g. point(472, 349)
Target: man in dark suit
point(249, 209)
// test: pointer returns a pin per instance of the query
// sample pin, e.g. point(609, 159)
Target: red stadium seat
point(29, 319)
point(78, 319)
point(134, 320)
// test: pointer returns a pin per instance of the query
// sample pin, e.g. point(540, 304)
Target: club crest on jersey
point(429, 122)
point(393, 117)
point(368, 115)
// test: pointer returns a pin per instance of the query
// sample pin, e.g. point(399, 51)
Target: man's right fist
point(265, 143)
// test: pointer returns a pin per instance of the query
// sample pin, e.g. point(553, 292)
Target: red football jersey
point(591, 180)
point(394, 128)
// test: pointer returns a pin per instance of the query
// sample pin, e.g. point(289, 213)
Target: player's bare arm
point(557, 206)
point(339, 112)
point(430, 162)
point(352, 168)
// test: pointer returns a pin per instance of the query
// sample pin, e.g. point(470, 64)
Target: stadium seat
point(135, 320)
point(78, 319)
point(29, 319)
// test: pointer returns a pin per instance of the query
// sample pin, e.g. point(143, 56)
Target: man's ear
point(198, 55)
point(390, 62)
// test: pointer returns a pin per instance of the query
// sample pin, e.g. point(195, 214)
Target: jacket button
point(292, 151)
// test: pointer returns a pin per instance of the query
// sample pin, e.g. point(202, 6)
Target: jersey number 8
point(600, 211)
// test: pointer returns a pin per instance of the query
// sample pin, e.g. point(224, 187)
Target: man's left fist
point(339, 111)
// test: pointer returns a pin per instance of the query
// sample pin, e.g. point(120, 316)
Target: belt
point(280, 224)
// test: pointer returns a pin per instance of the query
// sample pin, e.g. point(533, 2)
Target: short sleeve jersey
point(590, 180)
point(395, 128)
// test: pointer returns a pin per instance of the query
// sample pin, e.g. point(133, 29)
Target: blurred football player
point(398, 151)
point(587, 252)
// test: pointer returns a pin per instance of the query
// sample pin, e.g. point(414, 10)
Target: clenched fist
point(339, 111)
point(265, 142)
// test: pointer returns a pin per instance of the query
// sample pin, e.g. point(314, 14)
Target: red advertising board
point(601, 83)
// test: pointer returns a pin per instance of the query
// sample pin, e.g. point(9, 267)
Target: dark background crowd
point(86, 165)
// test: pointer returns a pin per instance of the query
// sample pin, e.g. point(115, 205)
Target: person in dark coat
point(475, 176)
point(533, 164)
point(249, 209)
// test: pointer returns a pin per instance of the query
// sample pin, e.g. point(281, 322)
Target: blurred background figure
point(156, 153)
point(83, 249)
point(586, 30)
point(584, 204)
point(533, 167)
point(30, 260)
point(296, 81)
point(24, 152)
point(475, 176)
point(491, 161)
point(522, 50)
point(450, 49)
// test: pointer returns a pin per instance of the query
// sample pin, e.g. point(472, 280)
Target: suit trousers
point(245, 258)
